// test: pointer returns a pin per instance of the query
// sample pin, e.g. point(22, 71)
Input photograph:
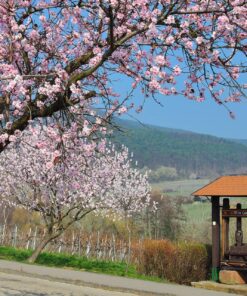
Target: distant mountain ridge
point(186, 151)
point(240, 141)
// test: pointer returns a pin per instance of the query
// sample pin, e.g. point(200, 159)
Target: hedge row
point(182, 263)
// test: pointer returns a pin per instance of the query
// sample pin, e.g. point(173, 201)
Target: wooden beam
point(215, 200)
point(225, 229)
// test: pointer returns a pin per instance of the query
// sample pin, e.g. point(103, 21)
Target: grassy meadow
point(180, 187)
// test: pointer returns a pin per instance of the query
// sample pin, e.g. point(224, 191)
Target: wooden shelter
point(224, 256)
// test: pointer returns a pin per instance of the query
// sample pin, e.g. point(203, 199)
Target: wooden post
point(239, 220)
point(225, 229)
point(238, 232)
point(215, 237)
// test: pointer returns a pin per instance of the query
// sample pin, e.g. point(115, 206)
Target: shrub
point(155, 257)
point(189, 263)
point(177, 262)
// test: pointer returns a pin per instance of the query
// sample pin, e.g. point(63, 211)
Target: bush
point(155, 257)
point(190, 263)
point(177, 262)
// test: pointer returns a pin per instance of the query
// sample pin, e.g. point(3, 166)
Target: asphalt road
point(33, 280)
point(18, 285)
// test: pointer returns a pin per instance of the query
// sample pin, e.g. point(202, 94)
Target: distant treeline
point(188, 152)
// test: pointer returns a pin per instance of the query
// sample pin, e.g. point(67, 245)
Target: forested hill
point(188, 152)
point(241, 141)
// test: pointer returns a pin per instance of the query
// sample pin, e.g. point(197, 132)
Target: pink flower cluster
point(64, 56)
point(77, 177)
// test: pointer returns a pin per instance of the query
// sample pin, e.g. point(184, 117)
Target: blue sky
point(181, 113)
point(206, 117)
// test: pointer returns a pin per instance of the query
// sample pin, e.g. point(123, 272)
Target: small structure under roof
point(227, 186)
point(225, 256)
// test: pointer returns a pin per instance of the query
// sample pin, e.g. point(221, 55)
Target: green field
point(180, 187)
point(197, 226)
point(198, 212)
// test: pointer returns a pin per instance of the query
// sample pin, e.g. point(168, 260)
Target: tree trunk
point(39, 248)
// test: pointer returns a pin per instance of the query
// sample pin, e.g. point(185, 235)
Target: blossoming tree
point(62, 57)
point(65, 185)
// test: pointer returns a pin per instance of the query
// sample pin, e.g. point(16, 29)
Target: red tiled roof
point(225, 186)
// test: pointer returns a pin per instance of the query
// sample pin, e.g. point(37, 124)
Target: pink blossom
point(34, 34)
point(154, 85)
point(12, 138)
point(170, 40)
point(122, 110)
point(74, 58)
point(176, 70)
point(155, 70)
point(3, 138)
point(170, 20)
point(78, 176)
point(160, 60)
point(18, 133)
point(199, 40)
point(42, 18)
point(49, 165)
point(9, 125)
